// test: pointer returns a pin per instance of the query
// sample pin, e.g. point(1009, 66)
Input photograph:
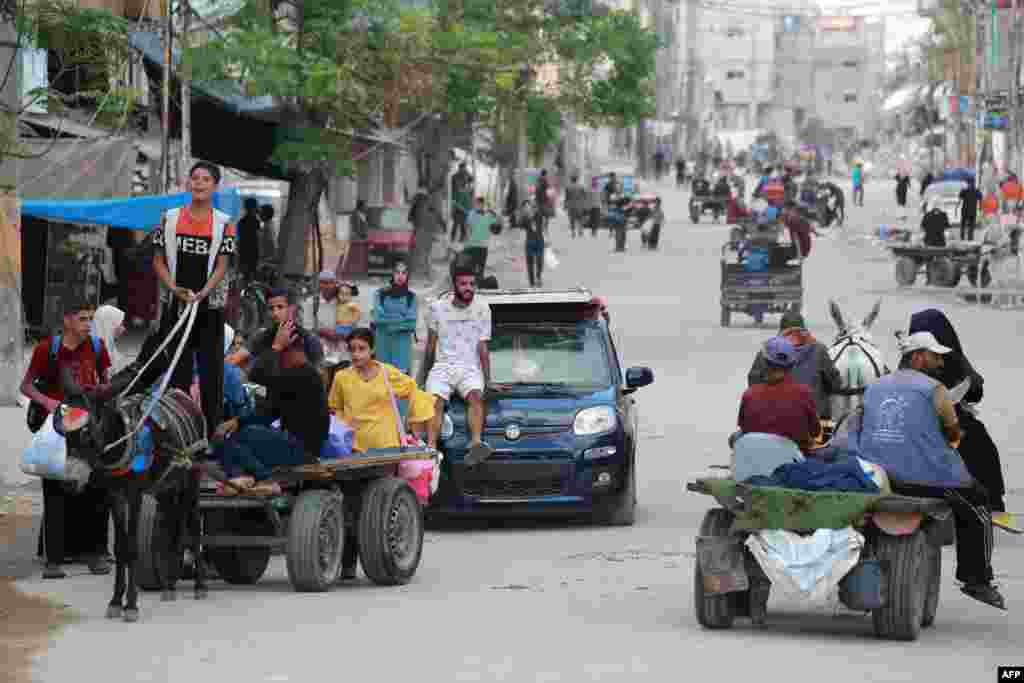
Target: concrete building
point(849, 65)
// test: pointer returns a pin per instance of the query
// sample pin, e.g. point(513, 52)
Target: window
point(851, 63)
point(558, 353)
point(734, 75)
point(849, 96)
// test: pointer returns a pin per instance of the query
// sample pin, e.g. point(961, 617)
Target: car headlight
point(595, 420)
point(447, 427)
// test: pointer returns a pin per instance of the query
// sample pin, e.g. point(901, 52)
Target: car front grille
point(513, 489)
point(512, 480)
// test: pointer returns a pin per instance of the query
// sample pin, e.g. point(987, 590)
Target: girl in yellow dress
point(360, 397)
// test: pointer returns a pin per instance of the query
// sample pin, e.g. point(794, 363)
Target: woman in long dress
point(979, 452)
point(394, 320)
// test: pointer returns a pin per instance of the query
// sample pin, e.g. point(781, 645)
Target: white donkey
point(859, 361)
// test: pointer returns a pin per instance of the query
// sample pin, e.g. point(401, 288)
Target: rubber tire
point(146, 576)
point(238, 566)
point(902, 615)
point(726, 317)
point(620, 510)
point(931, 598)
point(303, 548)
point(715, 611)
point(906, 271)
point(380, 499)
point(943, 272)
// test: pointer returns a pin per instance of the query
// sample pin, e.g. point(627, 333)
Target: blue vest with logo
point(903, 433)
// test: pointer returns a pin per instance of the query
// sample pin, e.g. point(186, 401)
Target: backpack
point(36, 415)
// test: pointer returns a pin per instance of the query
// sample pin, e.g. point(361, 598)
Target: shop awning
point(77, 168)
point(136, 213)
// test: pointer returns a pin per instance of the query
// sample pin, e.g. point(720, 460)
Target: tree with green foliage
point(485, 58)
point(325, 62)
point(91, 41)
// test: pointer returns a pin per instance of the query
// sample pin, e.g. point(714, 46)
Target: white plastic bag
point(806, 568)
point(550, 259)
point(46, 456)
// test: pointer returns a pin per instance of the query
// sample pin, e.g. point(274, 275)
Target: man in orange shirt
point(191, 260)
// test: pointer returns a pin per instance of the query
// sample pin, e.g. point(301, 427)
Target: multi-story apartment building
point(849, 64)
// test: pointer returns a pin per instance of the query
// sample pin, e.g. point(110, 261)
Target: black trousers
point(973, 527)
point(459, 225)
point(74, 524)
point(981, 456)
point(967, 224)
point(207, 343)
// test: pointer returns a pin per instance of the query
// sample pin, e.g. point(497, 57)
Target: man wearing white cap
point(910, 428)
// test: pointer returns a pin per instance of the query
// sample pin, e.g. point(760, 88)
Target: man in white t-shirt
point(459, 327)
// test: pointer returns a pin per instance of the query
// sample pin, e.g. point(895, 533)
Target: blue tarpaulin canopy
point(136, 213)
point(957, 174)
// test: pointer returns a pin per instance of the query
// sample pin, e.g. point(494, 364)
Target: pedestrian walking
point(575, 205)
point(902, 186)
point(970, 197)
point(462, 202)
point(544, 207)
point(532, 224)
point(249, 227)
point(74, 524)
point(858, 183)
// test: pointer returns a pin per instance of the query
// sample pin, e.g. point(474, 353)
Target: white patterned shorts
point(443, 378)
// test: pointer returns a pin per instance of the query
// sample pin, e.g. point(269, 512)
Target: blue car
point(563, 424)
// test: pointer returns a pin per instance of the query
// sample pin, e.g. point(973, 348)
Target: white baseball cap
point(921, 341)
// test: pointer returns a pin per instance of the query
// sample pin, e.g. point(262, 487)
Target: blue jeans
point(256, 450)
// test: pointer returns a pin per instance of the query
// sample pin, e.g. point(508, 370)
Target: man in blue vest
point(910, 428)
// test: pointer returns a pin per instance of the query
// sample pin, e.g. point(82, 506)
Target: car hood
point(534, 410)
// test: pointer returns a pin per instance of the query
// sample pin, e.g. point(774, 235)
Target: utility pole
point(165, 140)
point(186, 96)
point(691, 77)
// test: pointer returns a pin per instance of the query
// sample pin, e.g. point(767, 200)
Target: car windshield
point(573, 355)
point(945, 189)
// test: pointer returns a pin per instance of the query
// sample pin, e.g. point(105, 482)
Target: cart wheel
point(906, 271)
point(931, 598)
point(152, 549)
point(390, 532)
point(726, 316)
point(713, 611)
point(237, 566)
point(943, 272)
point(903, 613)
point(315, 541)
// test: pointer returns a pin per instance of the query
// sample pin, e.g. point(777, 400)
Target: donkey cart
point(322, 507)
point(942, 266)
point(897, 576)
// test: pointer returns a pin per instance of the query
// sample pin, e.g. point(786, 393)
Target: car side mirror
point(637, 377)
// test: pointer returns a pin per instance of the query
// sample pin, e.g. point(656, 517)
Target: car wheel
point(620, 510)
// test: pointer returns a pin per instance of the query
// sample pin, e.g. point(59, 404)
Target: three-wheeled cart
point(776, 287)
point(902, 555)
point(308, 523)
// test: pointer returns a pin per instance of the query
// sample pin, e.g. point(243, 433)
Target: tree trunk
point(305, 189)
point(434, 151)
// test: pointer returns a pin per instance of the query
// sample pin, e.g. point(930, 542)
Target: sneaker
point(986, 593)
point(1007, 521)
point(53, 571)
point(99, 565)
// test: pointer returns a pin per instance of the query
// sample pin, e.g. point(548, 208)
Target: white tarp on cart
point(807, 568)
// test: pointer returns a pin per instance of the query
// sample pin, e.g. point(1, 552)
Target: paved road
point(547, 602)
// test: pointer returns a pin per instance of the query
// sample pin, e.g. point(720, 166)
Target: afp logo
point(1011, 673)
